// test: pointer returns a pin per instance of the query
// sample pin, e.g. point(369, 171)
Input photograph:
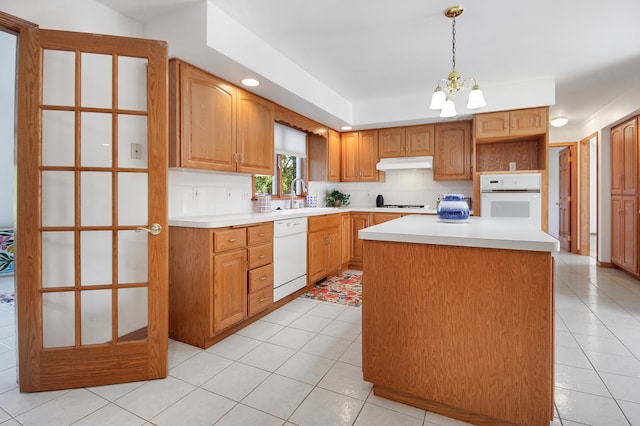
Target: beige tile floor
point(302, 365)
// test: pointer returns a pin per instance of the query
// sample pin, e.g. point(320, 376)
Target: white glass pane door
point(94, 180)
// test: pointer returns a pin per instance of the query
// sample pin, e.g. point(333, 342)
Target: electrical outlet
point(512, 165)
point(196, 194)
point(228, 193)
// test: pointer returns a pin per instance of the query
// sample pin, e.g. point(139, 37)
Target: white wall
point(7, 127)
point(593, 197)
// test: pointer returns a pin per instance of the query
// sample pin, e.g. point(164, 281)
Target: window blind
point(290, 141)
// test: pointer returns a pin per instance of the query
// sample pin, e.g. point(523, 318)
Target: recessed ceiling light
point(559, 121)
point(346, 127)
point(251, 82)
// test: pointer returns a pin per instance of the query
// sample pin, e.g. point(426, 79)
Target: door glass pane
point(58, 138)
point(58, 319)
point(58, 259)
point(58, 198)
point(132, 257)
point(96, 80)
point(95, 316)
point(96, 139)
point(95, 199)
point(132, 199)
point(95, 257)
point(132, 141)
point(132, 313)
point(58, 78)
point(132, 83)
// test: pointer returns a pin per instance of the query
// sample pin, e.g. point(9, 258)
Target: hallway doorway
point(8, 47)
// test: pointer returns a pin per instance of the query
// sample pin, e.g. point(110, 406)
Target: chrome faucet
point(293, 188)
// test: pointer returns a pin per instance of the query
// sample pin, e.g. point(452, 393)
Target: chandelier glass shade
point(442, 98)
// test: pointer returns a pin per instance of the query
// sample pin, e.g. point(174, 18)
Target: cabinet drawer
point(323, 222)
point(260, 300)
point(261, 277)
point(260, 255)
point(260, 234)
point(229, 239)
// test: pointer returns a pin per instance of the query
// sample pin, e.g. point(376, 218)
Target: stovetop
point(403, 206)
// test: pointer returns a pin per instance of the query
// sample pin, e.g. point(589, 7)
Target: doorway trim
point(584, 173)
point(574, 191)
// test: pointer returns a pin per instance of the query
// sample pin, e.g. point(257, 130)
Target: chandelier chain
point(453, 44)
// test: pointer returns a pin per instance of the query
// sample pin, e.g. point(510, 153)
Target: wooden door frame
point(584, 176)
point(573, 178)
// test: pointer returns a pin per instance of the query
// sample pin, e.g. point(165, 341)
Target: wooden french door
point(92, 169)
point(564, 199)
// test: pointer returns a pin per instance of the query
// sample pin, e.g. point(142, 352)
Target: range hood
point(402, 163)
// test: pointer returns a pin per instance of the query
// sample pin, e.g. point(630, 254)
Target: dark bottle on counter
point(379, 201)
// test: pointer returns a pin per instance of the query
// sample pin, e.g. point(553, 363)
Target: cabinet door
point(208, 127)
point(346, 238)
point(391, 142)
point(617, 230)
point(630, 156)
point(526, 122)
point(384, 217)
point(316, 255)
point(368, 156)
point(334, 156)
point(617, 160)
point(349, 159)
point(229, 289)
point(334, 250)
point(358, 222)
point(452, 158)
point(491, 125)
point(419, 140)
point(630, 226)
point(255, 134)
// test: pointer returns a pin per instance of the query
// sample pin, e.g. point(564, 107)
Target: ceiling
point(371, 50)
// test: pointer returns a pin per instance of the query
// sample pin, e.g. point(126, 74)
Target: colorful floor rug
point(344, 288)
point(8, 298)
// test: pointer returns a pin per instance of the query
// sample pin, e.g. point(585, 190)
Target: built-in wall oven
point(512, 197)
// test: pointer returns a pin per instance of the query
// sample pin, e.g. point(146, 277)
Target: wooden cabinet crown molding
point(300, 122)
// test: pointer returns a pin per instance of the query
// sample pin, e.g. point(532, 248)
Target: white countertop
point(217, 221)
point(477, 232)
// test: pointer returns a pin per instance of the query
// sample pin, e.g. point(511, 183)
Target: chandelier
point(442, 99)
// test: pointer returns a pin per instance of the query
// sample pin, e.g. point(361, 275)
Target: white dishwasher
point(289, 256)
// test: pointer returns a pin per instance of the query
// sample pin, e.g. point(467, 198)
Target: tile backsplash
point(194, 193)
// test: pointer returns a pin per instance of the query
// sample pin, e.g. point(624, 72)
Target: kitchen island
point(458, 318)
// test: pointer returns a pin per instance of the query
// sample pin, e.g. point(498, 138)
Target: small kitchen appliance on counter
point(379, 201)
point(453, 208)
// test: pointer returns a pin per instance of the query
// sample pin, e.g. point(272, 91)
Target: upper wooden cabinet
point(255, 134)
point(359, 156)
point(213, 125)
point(323, 155)
point(624, 158)
point(452, 157)
point(405, 141)
point(516, 123)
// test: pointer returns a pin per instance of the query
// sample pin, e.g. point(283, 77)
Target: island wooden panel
point(463, 331)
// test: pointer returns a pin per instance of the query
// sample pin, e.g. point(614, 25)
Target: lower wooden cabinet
point(346, 238)
point(624, 233)
point(217, 279)
point(358, 221)
point(324, 247)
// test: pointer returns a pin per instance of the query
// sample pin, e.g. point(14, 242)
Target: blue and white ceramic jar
point(453, 208)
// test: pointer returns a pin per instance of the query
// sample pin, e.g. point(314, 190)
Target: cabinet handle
point(262, 256)
point(233, 240)
point(261, 234)
point(262, 278)
point(263, 298)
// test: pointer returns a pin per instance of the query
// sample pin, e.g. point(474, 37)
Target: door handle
point(153, 229)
